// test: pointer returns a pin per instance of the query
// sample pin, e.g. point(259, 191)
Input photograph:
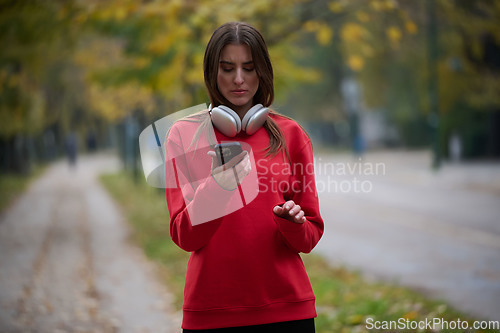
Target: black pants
point(296, 326)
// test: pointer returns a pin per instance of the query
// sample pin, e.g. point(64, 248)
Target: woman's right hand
point(231, 174)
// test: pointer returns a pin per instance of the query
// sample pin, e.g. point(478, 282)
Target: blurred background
point(358, 74)
point(413, 85)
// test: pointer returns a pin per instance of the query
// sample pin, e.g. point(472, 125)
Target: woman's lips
point(238, 92)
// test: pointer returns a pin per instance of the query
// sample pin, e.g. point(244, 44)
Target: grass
point(344, 299)
point(13, 184)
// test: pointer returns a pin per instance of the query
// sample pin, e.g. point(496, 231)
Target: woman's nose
point(238, 79)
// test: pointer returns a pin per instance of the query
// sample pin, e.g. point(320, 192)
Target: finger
point(244, 165)
point(295, 209)
point(212, 154)
point(277, 210)
point(242, 173)
point(217, 169)
point(247, 166)
point(235, 160)
point(299, 217)
point(244, 162)
point(241, 155)
point(284, 209)
point(288, 205)
point(235, 174)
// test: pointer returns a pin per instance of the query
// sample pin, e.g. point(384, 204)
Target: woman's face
point(237, 79)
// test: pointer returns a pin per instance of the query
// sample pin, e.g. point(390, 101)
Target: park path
point(437, 232)
point(66, 264)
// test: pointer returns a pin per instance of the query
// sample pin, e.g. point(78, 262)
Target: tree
point(384, 44)
point(164, 43)
point(36, 36)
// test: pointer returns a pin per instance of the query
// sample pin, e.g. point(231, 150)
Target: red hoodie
point(245, 267)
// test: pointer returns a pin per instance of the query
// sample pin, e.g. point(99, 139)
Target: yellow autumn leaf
point(288, 71)
point(389, 4)
point(377, 5)
point(394, 34)
point(411, 315)
point(140, 62)
point(311, 26)
point(355, 319)
point(362, 16)
point(81, 17)
point(335, 6)
point(170, 76)
point(194, 73)
point(194, 76)
point(352, 32)
point(262, 6)
point(132, 7)
point(324, 35)
point(161, 43)
point(355, 62)
point(411, 27)
point(120, 14)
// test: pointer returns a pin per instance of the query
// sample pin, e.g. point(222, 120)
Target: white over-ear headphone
point(228, 122)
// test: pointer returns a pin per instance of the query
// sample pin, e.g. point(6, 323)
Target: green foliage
point(35, 35)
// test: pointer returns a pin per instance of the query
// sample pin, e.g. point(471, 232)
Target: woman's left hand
point(290, 211)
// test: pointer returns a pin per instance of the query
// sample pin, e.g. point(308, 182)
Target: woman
point(244, 222)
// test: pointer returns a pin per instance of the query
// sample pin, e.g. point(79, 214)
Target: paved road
point(438, 232)
point(66, 264)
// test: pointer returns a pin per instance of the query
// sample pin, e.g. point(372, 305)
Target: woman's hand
point(231, 174)
point(290, 211)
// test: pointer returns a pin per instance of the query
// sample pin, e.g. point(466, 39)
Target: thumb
point(212, 154)
point(277, 210)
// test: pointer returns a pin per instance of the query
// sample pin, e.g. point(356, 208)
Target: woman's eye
point(249, 69)
point(227, 69)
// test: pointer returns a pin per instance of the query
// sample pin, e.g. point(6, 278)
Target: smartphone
point(226, 151)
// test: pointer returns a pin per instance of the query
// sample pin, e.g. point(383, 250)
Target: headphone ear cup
point(226, 120)
point(254, 119)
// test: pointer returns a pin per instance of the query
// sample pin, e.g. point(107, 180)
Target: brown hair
point(243, 33)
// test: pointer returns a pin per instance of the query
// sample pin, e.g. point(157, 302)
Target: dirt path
point(66, 264)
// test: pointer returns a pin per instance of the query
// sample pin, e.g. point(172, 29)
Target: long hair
point(239, 33)
point(243, 33)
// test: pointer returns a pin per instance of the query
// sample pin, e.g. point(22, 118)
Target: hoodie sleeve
point(194, 205)
point(302, 237)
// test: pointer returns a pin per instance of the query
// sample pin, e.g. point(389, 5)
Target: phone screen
point(226, 151)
